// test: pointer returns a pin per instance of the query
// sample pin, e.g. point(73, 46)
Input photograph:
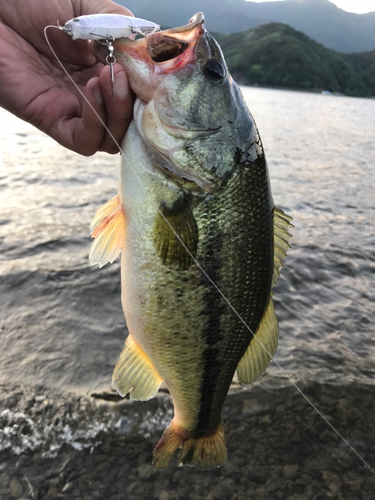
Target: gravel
point(56, 445)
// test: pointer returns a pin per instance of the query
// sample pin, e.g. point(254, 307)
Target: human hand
point(34, 87)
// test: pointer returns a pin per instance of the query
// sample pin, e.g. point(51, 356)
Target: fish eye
point(214, 70)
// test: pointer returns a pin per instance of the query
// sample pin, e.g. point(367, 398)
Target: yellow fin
point(210, 449)
point(108, 230)
point(281, 237)
point(135, 373)
point(177, 219)
point(256, 359)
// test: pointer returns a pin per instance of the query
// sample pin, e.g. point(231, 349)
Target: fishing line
point(201, 268)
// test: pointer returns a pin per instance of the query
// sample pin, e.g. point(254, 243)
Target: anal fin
point(258, 355)
point(108, 230)
point(135, 373)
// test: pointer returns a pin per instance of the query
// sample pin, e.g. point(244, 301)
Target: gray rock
point(290, 470)
point(4, 480)
point(68, 487)
point(15, 489)
point(145, 470)
point(332, 482)
point(221, 492)
point(52, 493)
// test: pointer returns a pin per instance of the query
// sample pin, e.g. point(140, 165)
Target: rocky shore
point(56, 445)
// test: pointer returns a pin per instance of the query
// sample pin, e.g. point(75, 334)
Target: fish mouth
point(166, 48)
point(175, 44)
point(159, 53)
point(166, 45)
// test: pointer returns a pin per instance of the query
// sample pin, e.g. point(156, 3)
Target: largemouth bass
point(194, 196)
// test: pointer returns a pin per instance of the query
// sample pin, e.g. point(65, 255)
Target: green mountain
point(321, 20)
point(277, 55)
point(363, 63)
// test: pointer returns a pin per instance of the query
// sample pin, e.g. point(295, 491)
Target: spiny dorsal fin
point(135, 373)
point(256, 359)
point(281, 237)
point(108, 230)
point(167, 246)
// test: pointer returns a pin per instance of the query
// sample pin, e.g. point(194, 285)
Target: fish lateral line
point(367, 465)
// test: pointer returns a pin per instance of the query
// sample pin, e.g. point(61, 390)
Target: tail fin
point(209, 449)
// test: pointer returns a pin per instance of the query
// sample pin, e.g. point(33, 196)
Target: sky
point(357, 6)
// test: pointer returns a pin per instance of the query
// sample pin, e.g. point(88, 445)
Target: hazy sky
point(358, 6)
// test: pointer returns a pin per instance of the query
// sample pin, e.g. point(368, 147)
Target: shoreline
point(242, 83)
point(298, 89)
point(66, 446)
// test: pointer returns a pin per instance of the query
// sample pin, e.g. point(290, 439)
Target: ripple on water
point(61, 321)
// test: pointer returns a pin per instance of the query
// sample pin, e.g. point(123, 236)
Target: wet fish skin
point(194, 162)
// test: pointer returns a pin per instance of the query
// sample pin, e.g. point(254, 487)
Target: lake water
point(61, 322)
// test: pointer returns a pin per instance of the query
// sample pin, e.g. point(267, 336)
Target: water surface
point(61, 322)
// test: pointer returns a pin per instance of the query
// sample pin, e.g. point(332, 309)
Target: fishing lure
point(107, 28)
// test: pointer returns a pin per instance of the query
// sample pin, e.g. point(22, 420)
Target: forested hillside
point(277, 55)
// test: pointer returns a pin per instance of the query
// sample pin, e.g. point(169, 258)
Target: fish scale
point(238, 252)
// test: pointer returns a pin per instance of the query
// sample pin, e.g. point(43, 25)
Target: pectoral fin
point(261, 348)
point(108, 230)
point(175, 231)
point(135, 373)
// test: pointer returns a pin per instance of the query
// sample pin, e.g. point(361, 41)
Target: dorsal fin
point(281, 237)
point(257, 357)
point(108, 230)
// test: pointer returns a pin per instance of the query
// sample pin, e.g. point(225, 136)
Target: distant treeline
point(277, 55)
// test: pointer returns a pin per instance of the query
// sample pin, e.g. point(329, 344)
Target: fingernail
point(98, 94)
point(120, 85)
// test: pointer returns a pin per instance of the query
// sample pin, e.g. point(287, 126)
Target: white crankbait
point(108, 26)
